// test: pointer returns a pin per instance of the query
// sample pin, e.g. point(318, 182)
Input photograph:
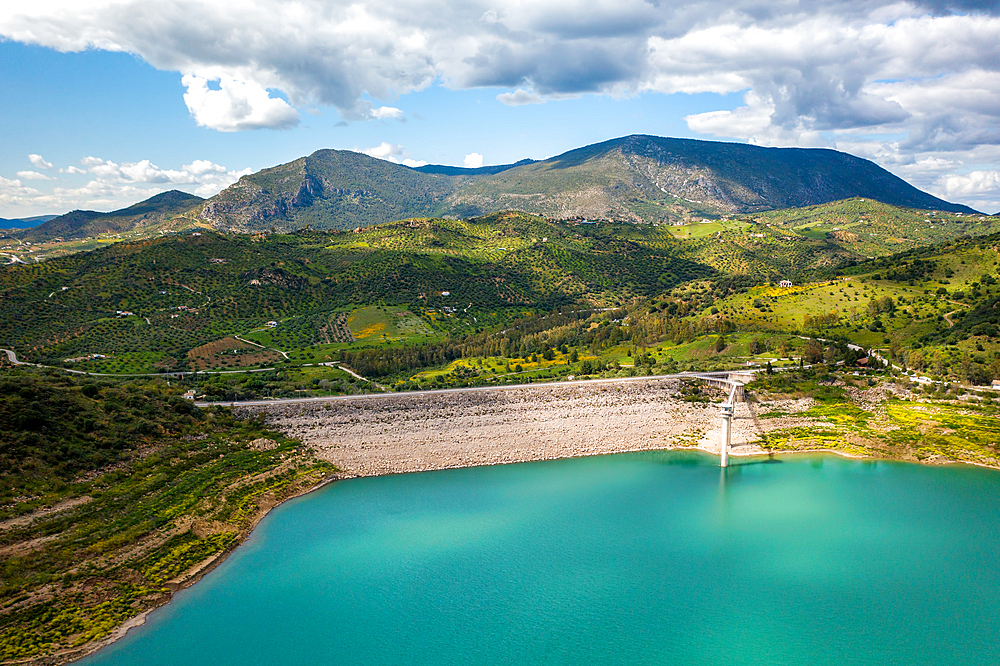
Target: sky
point(104, 103)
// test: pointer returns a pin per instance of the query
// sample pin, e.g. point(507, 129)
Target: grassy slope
point(795, 243)
point(863, 416)
point(944, 321)
point(195, 289)
point(105, 513)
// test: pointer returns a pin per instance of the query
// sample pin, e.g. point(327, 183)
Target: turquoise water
point(653, 558)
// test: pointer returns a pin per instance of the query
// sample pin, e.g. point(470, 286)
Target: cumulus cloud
point(39, 162)
point(520, 97)
point(32, 175)
point(392, 152)
point(976, 182)
point(387, 112)
point(204, 177)
point(236, 105)
point(473, 161)
point(814, 62)
point(977, 187)
point(111, 185)
point(14, 195)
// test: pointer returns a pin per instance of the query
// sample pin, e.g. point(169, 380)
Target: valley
point(355, 338)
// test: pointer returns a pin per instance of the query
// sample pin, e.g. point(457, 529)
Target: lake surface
point(649, 558)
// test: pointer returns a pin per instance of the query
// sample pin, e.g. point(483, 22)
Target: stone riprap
point(384, 434)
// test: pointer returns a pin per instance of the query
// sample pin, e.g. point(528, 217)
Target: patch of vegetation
point(111, 491)
point(900, 421)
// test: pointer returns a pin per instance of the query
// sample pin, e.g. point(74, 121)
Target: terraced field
point(420, 288)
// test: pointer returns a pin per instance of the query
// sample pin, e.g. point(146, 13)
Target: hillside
point(118, 491)
point(81, 223)
point(636, 178)
point(795, 242)
point(174, 302)
point(330, 189)
point(195, 289)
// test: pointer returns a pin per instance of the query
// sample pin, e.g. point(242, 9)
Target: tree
point(756, 346)
point(574, 356)
point(720, 343)
point(770, 370)
point(813, 352)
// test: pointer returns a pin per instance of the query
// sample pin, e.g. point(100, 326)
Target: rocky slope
point(637, 178)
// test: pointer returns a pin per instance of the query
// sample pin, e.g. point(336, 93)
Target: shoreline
point(198, 572)
point(140, 620)
point(432, 432)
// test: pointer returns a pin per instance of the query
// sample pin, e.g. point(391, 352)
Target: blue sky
point(101, 110)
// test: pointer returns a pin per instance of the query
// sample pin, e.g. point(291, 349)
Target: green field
point(387, 323)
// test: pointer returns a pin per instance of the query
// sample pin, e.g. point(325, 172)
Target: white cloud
point(14, 186)
point(236, 105)
point(202, 167)
point(473, 161)
point(385, 151)
point(113, 185)
point(980, 189)
point(387, 112)
point(392, 152)
point(39, 162)
point(32, 175)
point(976, 182)
point(816, 61)
point(520, 97)
point(13, 195)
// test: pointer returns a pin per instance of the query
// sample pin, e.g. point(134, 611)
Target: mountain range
point(636, 178)
point(25, 222)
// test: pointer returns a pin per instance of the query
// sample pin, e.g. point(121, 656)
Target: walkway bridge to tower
point(733, 383)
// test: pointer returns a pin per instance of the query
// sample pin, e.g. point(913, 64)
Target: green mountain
point(636, 178)
point(81, 223)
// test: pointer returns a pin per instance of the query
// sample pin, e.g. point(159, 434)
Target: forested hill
point(635, 178)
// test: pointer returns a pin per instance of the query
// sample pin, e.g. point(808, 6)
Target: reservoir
point(646, 558)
